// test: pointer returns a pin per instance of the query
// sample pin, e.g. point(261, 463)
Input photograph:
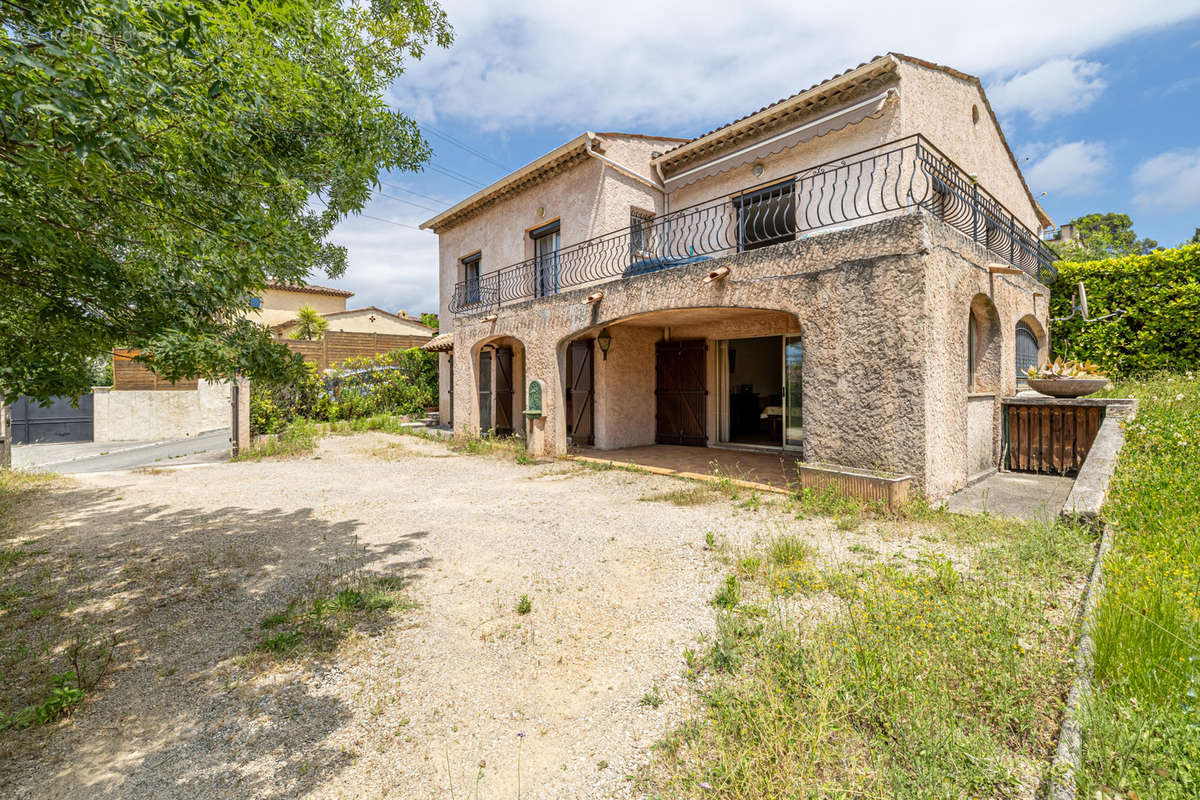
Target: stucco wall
point(624, 389)
point(957, 274)
point(588, 199)
point(281, 305)
point(359, 321)
point(882, 309)
point(139, 415)
point(938, 106)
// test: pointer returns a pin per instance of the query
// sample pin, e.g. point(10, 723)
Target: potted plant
point(1066, 378)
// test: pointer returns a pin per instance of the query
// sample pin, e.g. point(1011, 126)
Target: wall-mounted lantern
point(605, 342)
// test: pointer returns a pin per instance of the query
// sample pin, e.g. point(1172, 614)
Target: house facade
point(840, 276)
point(370, 319)
point(280, 302)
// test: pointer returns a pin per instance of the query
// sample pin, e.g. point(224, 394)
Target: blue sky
point(1100, 100)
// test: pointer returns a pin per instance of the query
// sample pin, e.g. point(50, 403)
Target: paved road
point(107, 456)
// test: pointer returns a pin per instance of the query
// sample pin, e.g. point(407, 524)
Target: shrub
point(400, 382)
point(1160, 295)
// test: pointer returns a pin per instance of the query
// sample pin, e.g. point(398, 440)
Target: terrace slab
point(1019, 495)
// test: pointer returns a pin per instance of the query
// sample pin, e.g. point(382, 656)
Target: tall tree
point(162, 161)
point(1195, 238)
point(1103, 236)
point(310, 325)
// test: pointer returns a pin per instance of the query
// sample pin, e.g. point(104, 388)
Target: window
point(767, 216)
point(1027, 351)
point(256, 302)
point(641, 226)
point(545, 259)
point(471, 277)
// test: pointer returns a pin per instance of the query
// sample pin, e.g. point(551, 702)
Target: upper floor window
point(545, 259)
point(470, 270)
point(766, 216)
point(641, 225)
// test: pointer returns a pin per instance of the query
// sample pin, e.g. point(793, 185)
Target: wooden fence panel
point(130, 375)
point(1049, 438)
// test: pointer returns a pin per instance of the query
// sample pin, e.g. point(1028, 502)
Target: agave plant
point(1066, 368)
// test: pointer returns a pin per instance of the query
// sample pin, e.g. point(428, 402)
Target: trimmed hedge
point(402, 382)
point(1160, 329)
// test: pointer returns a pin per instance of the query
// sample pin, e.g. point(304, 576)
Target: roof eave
point(512, 180)
point(765, 115)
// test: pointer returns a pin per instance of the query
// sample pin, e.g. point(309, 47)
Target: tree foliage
point(431, 319)
point(1103, 236)
point(162, 161)
point(1159, 295)
point(310, 325)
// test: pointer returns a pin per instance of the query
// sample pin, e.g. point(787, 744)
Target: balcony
point(897, 178)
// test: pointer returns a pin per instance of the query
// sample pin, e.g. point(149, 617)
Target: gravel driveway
point(183, 564)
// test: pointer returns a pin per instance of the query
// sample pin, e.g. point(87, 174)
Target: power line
point(400, 188)
point(410, 202)
point(390, 222)
point(467, 147)
point(456, 175)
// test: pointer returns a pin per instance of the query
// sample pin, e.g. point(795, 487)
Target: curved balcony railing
point(897, 178)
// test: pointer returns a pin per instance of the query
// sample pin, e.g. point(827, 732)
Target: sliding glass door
point(793, 368)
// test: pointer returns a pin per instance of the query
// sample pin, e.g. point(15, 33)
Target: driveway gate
point(57, 422)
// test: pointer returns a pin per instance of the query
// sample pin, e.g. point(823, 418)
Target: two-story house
point(843, 275)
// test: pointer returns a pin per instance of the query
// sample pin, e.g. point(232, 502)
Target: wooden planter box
point(864, 484)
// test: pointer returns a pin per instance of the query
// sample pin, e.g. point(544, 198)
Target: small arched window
point(1027, 351)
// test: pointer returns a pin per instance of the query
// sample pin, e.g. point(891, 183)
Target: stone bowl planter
point(1067, 387)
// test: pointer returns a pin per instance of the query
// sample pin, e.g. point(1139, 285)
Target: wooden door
point(485, 391)
point(581, 398)
point(680, 392)
point(504, 391)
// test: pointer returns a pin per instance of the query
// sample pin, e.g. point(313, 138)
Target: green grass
point(297, 439)
point(337, 600)
point(921, 681)
point(691, 494)
point(1142, 725)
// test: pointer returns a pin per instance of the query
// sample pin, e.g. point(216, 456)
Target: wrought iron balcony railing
point(897, 178)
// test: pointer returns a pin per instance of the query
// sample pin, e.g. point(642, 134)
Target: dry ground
point(458, 694)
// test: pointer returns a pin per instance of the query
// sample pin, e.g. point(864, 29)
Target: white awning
point(827, 123)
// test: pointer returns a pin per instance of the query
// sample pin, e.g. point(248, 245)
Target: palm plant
point(310, 325)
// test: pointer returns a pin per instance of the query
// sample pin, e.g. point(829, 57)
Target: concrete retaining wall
point(145, 414)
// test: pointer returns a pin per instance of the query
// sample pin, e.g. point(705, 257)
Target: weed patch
point(340, 598)
point(920, 681)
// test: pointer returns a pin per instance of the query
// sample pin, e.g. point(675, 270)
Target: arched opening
point(1028, 347)
point(983, 346)
point(983, 384)
point(690, 377)
point(499, 365)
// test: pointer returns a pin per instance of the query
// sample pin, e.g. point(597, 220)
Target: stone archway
point(498, 383)
point(627, 398)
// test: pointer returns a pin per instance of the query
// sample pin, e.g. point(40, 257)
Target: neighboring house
point(840, 276)
point(365, 320)
point(280, 302)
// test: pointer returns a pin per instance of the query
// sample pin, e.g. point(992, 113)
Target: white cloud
point(678, 67)
point(1074, 168)
point(1059, 86)
point(1169, 181)
point(390, 266)
point(668, 67)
